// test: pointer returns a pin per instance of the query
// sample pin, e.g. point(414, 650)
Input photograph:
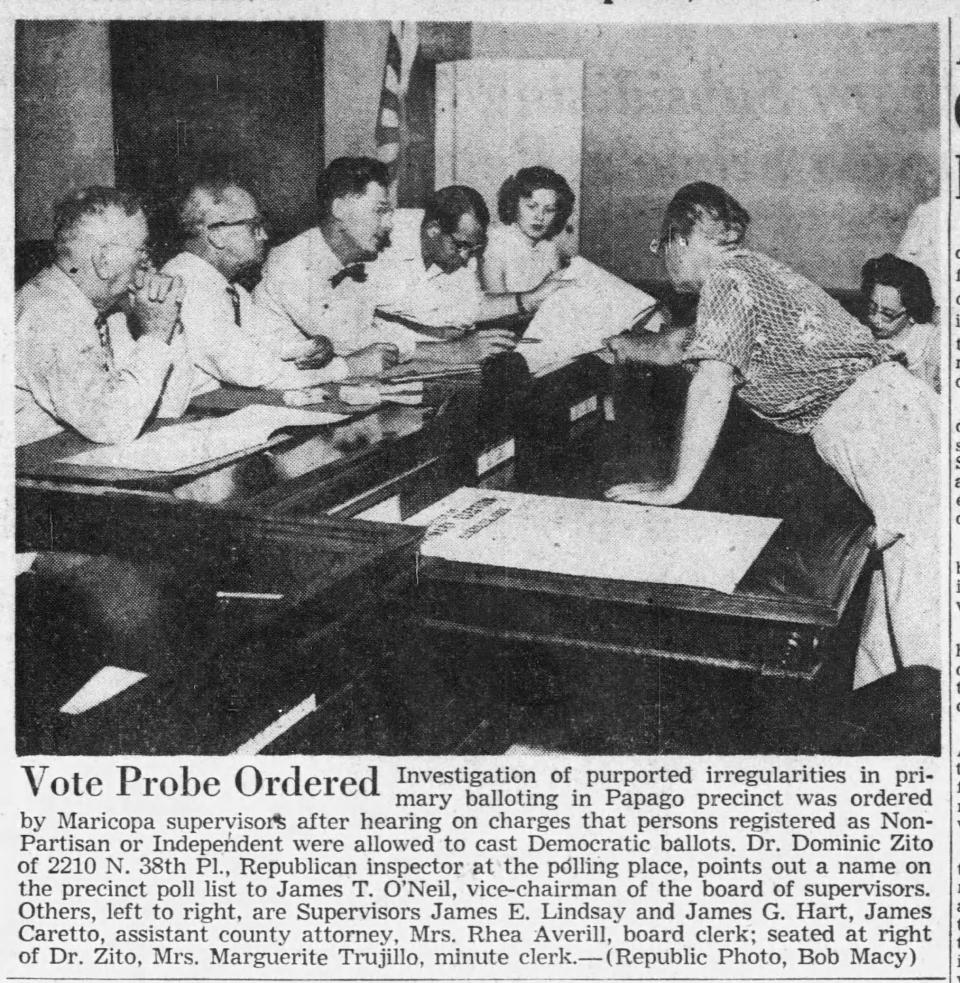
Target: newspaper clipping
point(480, 490)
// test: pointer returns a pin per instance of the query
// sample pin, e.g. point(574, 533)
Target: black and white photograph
point(479, 387)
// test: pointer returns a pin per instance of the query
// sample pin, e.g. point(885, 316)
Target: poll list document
point(610, 541)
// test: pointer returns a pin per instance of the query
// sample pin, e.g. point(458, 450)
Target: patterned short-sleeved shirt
point(795, 349)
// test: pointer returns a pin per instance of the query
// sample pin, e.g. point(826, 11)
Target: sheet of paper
point(99, 688)
point(22, 562)
point(425, 316)
point(183, 445)
point(575, 320)
point(607, 540)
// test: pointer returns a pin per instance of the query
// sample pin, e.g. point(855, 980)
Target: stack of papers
point(183, 445)
point(606, 540)
point(575, 320)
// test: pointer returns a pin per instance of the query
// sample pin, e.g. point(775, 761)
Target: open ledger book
point(575, 320)
point(183, 445)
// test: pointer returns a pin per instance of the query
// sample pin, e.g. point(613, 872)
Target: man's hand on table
point(317, 355)
point(483, 344)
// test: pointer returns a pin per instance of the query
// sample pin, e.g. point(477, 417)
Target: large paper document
point(607, 540)
point(575, 320)
point(184, 445)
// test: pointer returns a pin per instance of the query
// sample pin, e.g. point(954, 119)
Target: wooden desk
point(779, 619)
point(264, 608)
point(289, 594)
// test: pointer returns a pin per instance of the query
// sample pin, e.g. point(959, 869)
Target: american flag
point(389, 132)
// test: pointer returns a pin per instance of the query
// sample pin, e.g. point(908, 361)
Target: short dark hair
point(911, 282)
point(448, 205)
point(95, 200)
point(524, 183)
point(697, 201)
point(348, 176)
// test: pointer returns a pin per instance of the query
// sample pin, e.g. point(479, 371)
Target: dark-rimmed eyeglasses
point(468, 249)
point(885, 314)
point(255, 225)
point(659, 244)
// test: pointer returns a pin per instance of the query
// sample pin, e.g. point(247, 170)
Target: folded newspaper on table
point(576, 319)
point(606, 540)
point(183, 445)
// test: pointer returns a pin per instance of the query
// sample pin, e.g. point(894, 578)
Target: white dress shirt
point(399, 281)
point(102, 383)
point(525, 264)
point(921, 344)
point(296, 285)
point(244, 354)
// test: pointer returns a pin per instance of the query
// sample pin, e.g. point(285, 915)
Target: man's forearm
point(708, 400)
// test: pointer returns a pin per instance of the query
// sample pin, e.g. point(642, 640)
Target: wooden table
point(780, 618)
point(288, 593)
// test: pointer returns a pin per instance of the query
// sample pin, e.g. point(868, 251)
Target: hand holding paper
point(593, 305)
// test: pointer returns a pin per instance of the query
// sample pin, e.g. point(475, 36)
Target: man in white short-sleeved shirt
point(329, 280)
point(231, 339)
point(81, 362)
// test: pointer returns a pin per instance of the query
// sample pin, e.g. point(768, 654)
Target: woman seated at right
point(534, 206)
point(899, 305)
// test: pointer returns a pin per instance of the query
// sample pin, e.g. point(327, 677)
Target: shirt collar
point(198, 268)
point(60, 284)
point(322, 254)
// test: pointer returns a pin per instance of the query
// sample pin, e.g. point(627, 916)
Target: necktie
point(235, 300)
point(103, 333)
point(356, 272)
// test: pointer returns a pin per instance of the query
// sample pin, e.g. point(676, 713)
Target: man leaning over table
point(329, 280)
point(229, 338)
point(82, 361)
point(427, 272)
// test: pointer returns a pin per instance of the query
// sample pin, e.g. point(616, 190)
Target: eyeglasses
point(659, 244)
point(255, 225)
point(468, 249)
point(885, 315)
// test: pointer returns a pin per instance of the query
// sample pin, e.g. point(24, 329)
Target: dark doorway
point(245, 99)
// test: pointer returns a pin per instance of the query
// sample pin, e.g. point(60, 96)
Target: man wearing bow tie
point(317, 281)
point(230, 339)
point(330, 280)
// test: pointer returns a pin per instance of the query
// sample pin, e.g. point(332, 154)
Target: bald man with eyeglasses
point(230, 339)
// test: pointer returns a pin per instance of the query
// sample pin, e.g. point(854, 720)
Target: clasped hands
point(154, 304)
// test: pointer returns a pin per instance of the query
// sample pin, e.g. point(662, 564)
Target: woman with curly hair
point(899, 306)
point(534, 206)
